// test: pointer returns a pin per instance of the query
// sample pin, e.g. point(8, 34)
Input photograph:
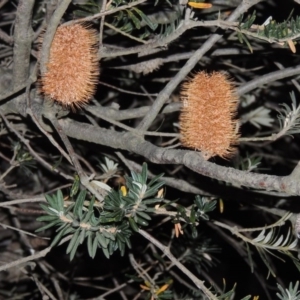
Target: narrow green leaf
point(102, 240)
point(95, 245)
point(90, 243)
point(264, 258)
point(106, 253)
point(75, 186)
point(54, 223)
point(47, 209)
point(60, 200)
point(120, 237)
point(156, 179)
point(73, 241)
point(108, 235)
point(193, 215)
point(143, 215)
point(133, 224)
point(134, 19)
point(144, 173)
point(112, 246)
point(74, 249)
point(141, 221)
point(51, 200)
point(240, 37)
point(153, 26)
point(82, 235)
point(128, 243)
point(78, 208)
point(58, 237)
point(47, 218)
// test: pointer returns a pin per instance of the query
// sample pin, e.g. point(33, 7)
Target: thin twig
point(32, 152)
point(31, 257)
point(50, 32)
point(23, 35)
point(6, 38)
point(105, 13)
point(5, 226)
point(83, 178)
point(25, 259)
point(22, 201)
point(127, 114)
point(125, 91)
point(124, 33)
point(101, 27)
point(191, 159)
point(166, 251)
point(267, 78)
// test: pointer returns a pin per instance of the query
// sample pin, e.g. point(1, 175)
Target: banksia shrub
point(207, 117)
point(73, 69)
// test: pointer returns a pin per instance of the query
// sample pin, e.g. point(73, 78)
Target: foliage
point(292, 293)
point(105, 227)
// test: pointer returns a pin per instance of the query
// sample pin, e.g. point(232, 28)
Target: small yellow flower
point(124, 190)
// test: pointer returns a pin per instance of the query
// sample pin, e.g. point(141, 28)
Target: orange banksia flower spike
point(73, 68)
point(207, 119)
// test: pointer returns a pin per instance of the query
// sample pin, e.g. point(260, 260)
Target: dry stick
point(32, 152)
point(133, 113)
point(21, 201)
point(190, 64)
point(140, 271)
point(5, 226)
point(69, 147)
point(83, 178)
point(45, 293)
point(6, 38)
point(105, 13)
point(174, 260)
point(50, 32)
point(31, 257)
point(22, 42)
point(103, 7)
point(125, 34)
point(25, 259)
point(3, 2)
point(136, 131)
point(191, 159)
point(265, 79)
point(48, 135)
point(161, 42)
point(15, 90)
point(125, 91)
point(146, 48)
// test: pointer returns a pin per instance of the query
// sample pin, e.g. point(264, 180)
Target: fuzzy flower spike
point(73, 68)
point(207, 117)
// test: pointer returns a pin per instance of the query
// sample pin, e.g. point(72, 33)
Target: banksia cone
point(207, 116)
point(72, 70)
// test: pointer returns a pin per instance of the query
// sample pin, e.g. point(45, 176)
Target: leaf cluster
point(108, 227)
point(292, 293)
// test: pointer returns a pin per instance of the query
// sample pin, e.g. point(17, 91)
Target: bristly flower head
point(207, 117)
point(73, 69)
